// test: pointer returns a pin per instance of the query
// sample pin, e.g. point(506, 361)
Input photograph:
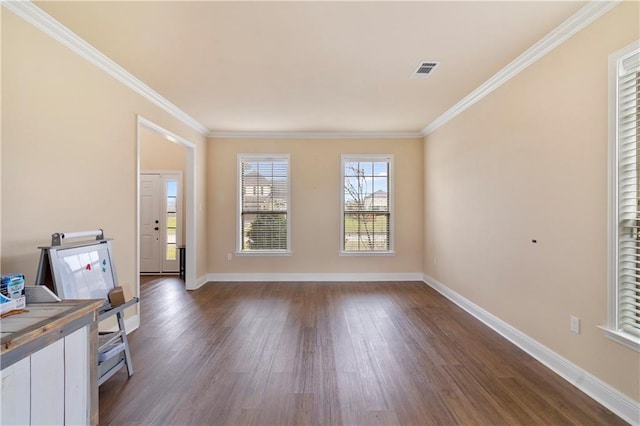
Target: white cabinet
point(76, 378)
point(47, 385)
point(15, 399)
point(50, 387)
point(49, 374)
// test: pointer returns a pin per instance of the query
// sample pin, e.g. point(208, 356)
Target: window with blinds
point(264, 203)
point(367, 204)
point(625, 291)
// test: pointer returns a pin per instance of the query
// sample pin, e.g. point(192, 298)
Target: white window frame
point(239, 231)
point(613, 329)
point(368, 157)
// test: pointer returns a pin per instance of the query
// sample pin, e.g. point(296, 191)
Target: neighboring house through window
point(624, 210)
point(263, 204)
point(367, 207)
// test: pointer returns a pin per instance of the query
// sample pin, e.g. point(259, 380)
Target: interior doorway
point(160, 140)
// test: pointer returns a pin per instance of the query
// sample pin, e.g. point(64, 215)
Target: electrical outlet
point(229, 257)
point(435, 261)
point(575, 324)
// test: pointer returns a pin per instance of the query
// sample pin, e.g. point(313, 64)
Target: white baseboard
point(200, 281)
point(620, 404)
point(132, 323)
point(237, 277)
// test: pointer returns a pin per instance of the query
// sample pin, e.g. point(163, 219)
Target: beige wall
point(69, 151)
point(530, 162)
point(157, 153)
point(315, 206)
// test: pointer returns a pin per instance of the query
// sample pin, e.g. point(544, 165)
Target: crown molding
point(583, 17)
point(315, 135)
point(44, 22)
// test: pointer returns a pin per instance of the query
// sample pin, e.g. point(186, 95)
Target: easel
point(84, 270)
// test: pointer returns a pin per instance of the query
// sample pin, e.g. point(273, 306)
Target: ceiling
point(311, 66)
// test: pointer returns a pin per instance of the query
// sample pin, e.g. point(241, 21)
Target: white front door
point(160, 221)
point(150, 244)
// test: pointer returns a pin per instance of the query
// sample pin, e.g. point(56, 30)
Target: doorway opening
point(176, 212)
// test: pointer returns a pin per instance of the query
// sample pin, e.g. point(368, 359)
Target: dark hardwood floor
point(329, 353)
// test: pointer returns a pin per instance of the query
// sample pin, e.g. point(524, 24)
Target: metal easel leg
point(127, 353)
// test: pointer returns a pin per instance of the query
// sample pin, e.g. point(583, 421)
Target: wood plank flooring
point(329, 354)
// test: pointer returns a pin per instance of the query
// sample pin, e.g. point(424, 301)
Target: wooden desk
point(49, 367)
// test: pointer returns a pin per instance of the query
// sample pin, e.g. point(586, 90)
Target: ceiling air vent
point(424, 69)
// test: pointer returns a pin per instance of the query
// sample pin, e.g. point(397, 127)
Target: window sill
point(625, 339)
point(367, 253)
point(264, 253)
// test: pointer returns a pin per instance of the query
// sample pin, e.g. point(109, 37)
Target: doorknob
point(156, 228)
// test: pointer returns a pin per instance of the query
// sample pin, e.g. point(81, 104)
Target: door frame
point(189, 186)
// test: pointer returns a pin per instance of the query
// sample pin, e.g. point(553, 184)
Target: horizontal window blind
point(264, 203)
point(628, 135)
point(366, 204)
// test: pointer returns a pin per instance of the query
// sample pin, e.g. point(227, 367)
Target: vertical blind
point(264, 203)
point(628, 136)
